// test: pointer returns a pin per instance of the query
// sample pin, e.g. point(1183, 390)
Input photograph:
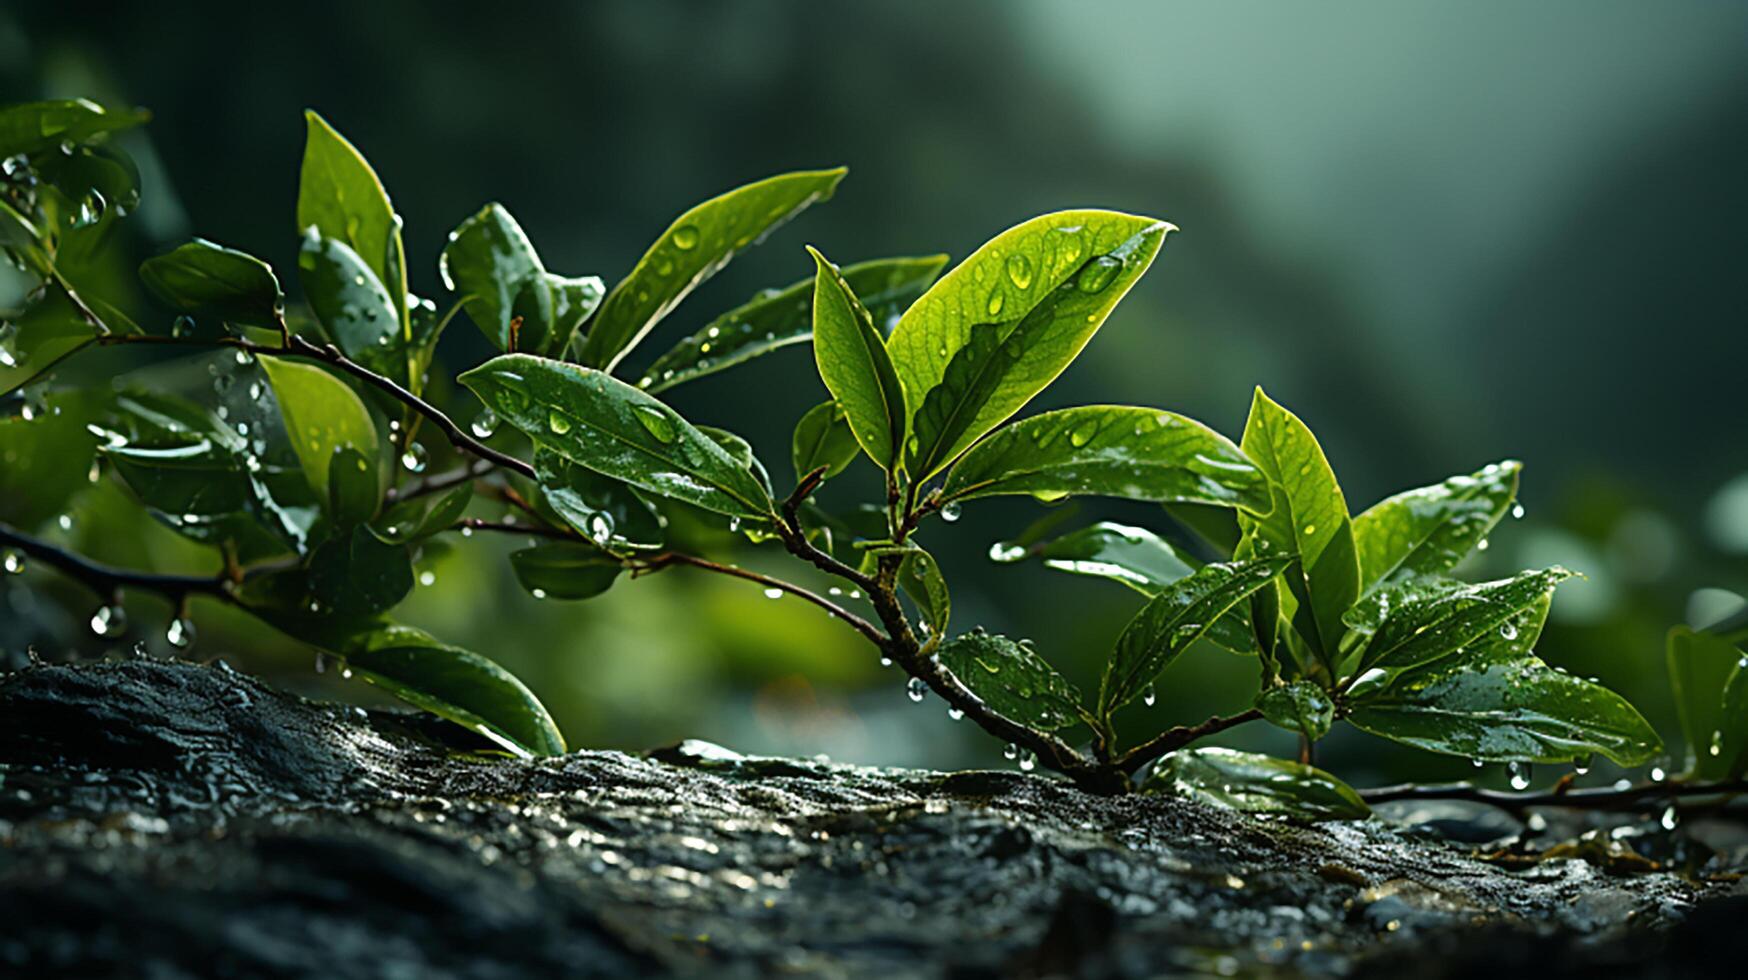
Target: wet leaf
point(1427, 621)
point(1133, 556)
point(823, 438)
point(1256, 784)
point(463, 687)
point(340, 196)
point(694, 248)
point(920, 577)
point(36, 126)
point(1111, 451)
point(322, 416)
point(417, 518)
point(1429, 530)
point(354, 492)
point(207, 279)
point(853, 363)
point(48, 330)
point(610, 427)
point(560, 570)
point(1011, 678)
point(354, 573)
point(606, 510)
point(1706, 675)
point(1300, 706)
point(44, 460)
point(1004, 323)
point(492, 264)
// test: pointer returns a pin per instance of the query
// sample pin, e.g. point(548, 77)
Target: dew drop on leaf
point(955, 714)
point(558, 422)
point(1011, 752)
point(1508, 631)
point(655, 422)
point(1020, 271)
point(773, 593)
point(686, 237)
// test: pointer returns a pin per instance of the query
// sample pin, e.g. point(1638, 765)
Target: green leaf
point(1004, 323)
point(1705, 673)
point(920, 577)
point(207, 279)
point(1111, 451)
point(46, 332)
point(45, 459)
point(565, 571)
point(1133, 556)
point(610, 427)
point(1499, 703)
point(417, 518)
point(775, 319)
point(1011, 678)
point(322, 416)
point(1176, 618)
point(493, 265)
point(1427, 623)
point(341, 197)
point(1256, 784)
point(354, 492)
point(1300, 706)
point(1309, 517)
point(358, 312)
point(36, 126)
point(354, 573)
point(823, 438)
point(694, 248)
point(1429, 530)
point(465, 688)
point(97, 181)
point(610, 513)
point(853, 363)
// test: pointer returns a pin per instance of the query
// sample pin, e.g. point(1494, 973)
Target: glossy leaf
point(694, 248)
point(1011, 678)
point(1308, 518)
point(340, 196)
point(742, 453)
point(207, 279)
point(417, 518)
point(1425, 624)
point(1428, 530)
point(1133, 556)
point(1004, 323)
point(1256, 784)
point(775, 319)
point(1300, 706)
point(609, 512)
point(559, 570)
point(358, 312)
point(1705, 673)
point(48, 330)
point(36, 126)
point(492, 264)
point(465, 688)
point(853, 363)
point(45, 459)
point(920, 577)
point(1176, 618)
point(354, 492)
point(823, 438)
point(322, 416)
point(354, 573)
point(1111, 451)
point(610, 427)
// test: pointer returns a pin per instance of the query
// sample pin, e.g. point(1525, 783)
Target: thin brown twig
point(656, 562)
point(438, 482)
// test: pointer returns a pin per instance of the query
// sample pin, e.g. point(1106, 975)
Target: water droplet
point(345, 673)
point(773, 593)
point(1508, 631)
point(109, 621)
point(885, 661)
point(484, 424)
point(996, 299)
point(601, 527)
point(1517, 511)
point(1083, 433)
point(537, 593)
point(686, 237)
point(915, 689)
point(558, 422)
point(1657, 774)
point(1520, 775)
point(321, 662)
point(64, 522)
point(1581, 766)
point(1310, 529)
point(656, 422)
point(1481, 545)
point(427, 578)
point(954, 714)
point(13, 561)
point(180, 633)
point(951, 512)
point(1149, 696)
point(1020, 271)
point(1010, 752)
point(1671, 817)
point(1477, 763)
point(414, 458)
point(1099, 273)
point(1028, 762)
point(1006, 551)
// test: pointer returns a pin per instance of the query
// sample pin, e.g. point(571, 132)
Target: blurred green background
point(1443, 234)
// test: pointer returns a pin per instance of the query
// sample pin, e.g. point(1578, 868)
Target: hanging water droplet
point(13, 561)
point(1028, 762)
point(1581, 766)
point(1671, 818)
point(180, 633)
point(182, 326)
point(951, 512)
point(885, 661)
point(773, 593)
point(413, 460)
point(109, 621)
point(955, 714)
point(1006, 551)
point(1010, 752)
point(1520, 775)
point(733, 525)
point(1149, 696)
point(1477, 763)
point(345, 673)
point(1517, 511)
point(1657, 774)
point(484, 424)
point(915, 689)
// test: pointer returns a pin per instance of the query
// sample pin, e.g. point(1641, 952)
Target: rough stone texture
point(168, 820)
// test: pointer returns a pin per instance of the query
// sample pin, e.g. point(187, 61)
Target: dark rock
point(167, 820)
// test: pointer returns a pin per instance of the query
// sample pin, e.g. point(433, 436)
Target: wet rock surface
point(168, 820)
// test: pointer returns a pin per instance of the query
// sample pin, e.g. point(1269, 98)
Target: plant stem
point(657, 562)
point(106, 580)
point(438, 482)
point(1173, 739)
point(508, 527)
point(1600, 798)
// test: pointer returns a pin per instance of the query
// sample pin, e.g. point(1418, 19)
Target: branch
point(106, 580)
point(438, 482)
point(1600, 798)
point(794, 537)
point(509, 527)
point(1173, 739)
point(655, 563)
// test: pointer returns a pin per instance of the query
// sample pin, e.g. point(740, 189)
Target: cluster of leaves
point(302, 472)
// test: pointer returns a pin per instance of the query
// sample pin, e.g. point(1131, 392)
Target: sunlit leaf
point(1011, 678)
point(853, 363)
point(358, 312)
point(322, 416)
point(1256, 784)
point(340, 196)
point(1300, 706)
point(45, 459)
point(490, 262)
point(35, 126)
point(608, 511)
point(354, 490)
point(207, 279)
point(1428, 530)
point(1428, 621)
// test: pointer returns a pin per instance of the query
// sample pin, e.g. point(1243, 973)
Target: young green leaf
point(609, 512)
point(743, 454)
point(920, 577)
point(1133, 556)
point(855, 367)
point(45, 459)
point(352, 304)
point(823, 438)
point(1176, 618)
point(778, 318)
point(1705, 672)
point(340, 196)
point(1256, 784)
point(610, 427)
point(1309, 517)
point(321, 415)
point(207, 279)
point(1004, 323)
point(1428, 530)
point(354, 573)
point(36, 126)
point(1111, 451)
point(1425, 623)
point(47, 331)
point(492, 264)
point(417, 518)
point(354, 492)
point(462, 687)
point(1300, 706)
point(1011, 678)
point(694, 248)
point(560, 570)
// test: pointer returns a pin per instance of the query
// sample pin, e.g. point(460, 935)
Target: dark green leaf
point(48, 330)
point(322, 416)
point(207, 279)
point(565, 571)
point(1217, 527)
point(354, 492)
point(694, 248)
point(417, 518)
point(853, 363)
point(610, 427)
point(465, 688)
point(95, 181)
point(341, 197)
point(1133, 556)
point(1176, 618)
point(823, 438)
point(608, 511)
point(45, 459)
point(1004, 323)
point(920, 577)
point(1425, 623)
point(494, 267)
point(1705, 673)
point(778, 318)
point(1309, 517)
point(1011, 678)
point(1111, 451)
point(1256, 784)
point(1428, 530)
point(354, 573)
point(358, 312)
point(1300, 706)
point(36, 126)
